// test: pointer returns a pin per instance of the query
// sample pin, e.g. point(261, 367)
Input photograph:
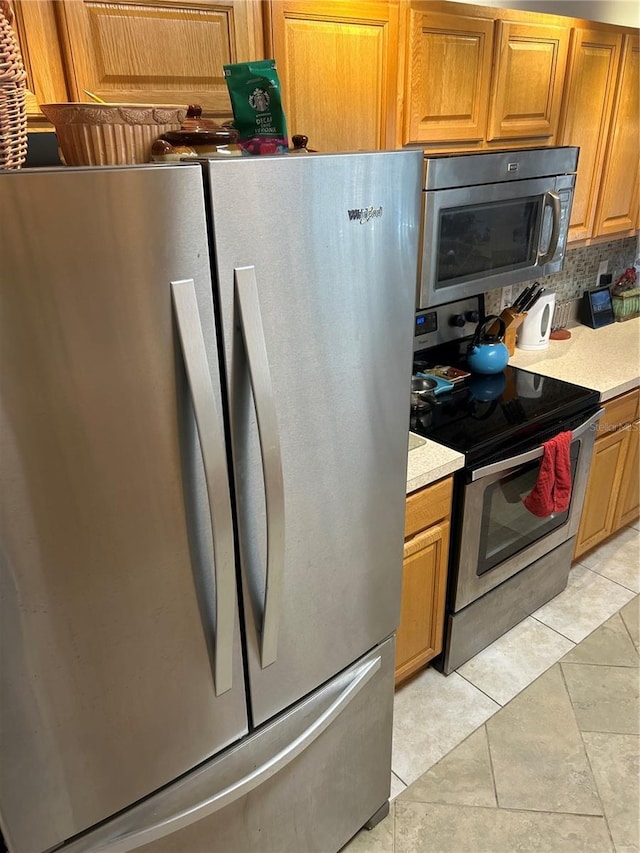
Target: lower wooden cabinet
point(612, 499)
point(628, 501)
point(424, 578)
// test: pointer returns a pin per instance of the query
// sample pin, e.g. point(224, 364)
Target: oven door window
point(507, 525)
point(485, 239)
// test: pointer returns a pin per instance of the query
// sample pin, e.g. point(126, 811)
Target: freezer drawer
point(307, 782)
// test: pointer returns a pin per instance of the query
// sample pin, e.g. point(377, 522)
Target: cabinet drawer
point(618, 412)
point(428, 506)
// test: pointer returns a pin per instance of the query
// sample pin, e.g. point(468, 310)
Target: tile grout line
point(586, 755)
point(493, 772)
point(626, 627)
point(484, 693)
point(559, 633)
point(606, 577)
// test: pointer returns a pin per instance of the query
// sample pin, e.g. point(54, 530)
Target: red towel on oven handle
point(552, 491)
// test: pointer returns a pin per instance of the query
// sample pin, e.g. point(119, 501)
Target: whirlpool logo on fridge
point(364, 214)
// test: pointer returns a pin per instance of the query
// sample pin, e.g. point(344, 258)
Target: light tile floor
point(533, 745)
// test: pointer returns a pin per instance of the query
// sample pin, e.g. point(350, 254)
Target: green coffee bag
point(254, 89)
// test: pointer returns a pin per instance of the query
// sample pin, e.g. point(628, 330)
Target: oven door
point(499, 536)
point(483, 237)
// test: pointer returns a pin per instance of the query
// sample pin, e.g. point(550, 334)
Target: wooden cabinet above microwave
point(480, 78)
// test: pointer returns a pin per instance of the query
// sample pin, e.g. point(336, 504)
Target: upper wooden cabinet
point(337, 63)
point(157, 51)
point(589, 94)
point(617, 209)
point(448, 77)
point(479, 77)
point(139, 51)
point(528, 80)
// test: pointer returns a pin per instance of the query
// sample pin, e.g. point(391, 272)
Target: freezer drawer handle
point(256, 352)
point(170, 811)
point(214, 457)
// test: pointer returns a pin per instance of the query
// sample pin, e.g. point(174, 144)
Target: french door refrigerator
point(204, 414)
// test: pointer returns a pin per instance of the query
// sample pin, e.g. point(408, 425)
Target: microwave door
point(484, 237)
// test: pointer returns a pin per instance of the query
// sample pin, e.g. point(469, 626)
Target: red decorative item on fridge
point(13, 115)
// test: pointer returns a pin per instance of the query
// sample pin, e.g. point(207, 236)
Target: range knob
point(457, 320)
point(472, 316)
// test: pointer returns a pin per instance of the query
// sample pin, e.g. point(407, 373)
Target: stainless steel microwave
point(492, 219)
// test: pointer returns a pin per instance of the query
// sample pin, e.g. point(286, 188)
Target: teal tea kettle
point(487, 352)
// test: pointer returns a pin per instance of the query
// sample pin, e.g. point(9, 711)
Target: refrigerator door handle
point(256, 352)
point(214, 458)
point(171, 810)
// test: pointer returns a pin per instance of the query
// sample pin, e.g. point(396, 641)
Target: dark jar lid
point(196, 130)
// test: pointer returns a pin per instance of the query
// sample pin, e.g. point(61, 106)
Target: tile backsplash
point(580, 271)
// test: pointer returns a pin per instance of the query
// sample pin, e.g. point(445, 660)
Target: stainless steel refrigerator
point(204, 413)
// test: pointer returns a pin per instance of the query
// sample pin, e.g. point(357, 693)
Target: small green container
point(626, 305)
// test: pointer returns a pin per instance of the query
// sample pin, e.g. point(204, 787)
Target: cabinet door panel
point(628, 505)
point(527, 81)
point(427, 506)
point(597, 520)
point(337, 63)
point(154, 52)
point(424, 582)
point(588, 102)
point(618, 206)
point(448, 77)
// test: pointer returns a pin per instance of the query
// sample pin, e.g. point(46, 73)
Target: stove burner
point(485, 416)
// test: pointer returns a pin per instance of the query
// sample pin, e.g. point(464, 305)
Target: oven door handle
point(530, 455)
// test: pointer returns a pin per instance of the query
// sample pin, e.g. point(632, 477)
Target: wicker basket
point(13, 114)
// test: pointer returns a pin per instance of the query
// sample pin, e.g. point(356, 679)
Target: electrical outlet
point(602, 268)
point(507, 297)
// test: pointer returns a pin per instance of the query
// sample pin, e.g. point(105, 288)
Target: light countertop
point(606, 359)
point(431, 462)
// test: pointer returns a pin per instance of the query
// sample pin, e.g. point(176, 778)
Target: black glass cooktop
point(486, 416)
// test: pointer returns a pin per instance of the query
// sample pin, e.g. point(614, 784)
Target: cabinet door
point(588, 101)
point(35, 26)
point(337, 63)
point(597, 520)
point(424, 582)
point(527, 81)
point(152, 51)
point(628, 504)
point(448, 77)
point(618, 205)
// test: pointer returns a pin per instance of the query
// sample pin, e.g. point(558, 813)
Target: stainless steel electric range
point(505, 562)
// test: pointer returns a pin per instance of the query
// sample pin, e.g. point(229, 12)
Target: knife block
point(512, 320)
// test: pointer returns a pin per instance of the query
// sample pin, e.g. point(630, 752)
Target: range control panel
point(445, 323)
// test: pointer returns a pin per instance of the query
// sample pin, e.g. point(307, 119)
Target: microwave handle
point(552, 200)
point(530, 455)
